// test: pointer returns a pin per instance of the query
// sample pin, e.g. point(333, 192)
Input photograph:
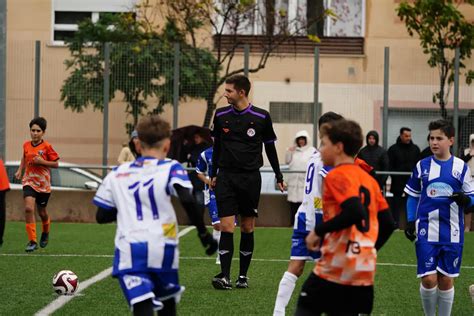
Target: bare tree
point(222, 26)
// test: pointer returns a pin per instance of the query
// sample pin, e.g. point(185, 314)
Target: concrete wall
point(76, 206)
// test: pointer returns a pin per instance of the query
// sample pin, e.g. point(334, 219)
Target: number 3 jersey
point(146, 237)
point(348, 256)
point(439, 219)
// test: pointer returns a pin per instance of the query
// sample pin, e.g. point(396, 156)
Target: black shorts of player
point(320, 296)
point(41, 198)
point(238, 193)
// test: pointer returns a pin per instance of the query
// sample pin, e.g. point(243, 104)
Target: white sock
point(285, 289)
point(429, 299)
point(217, 236)
point(445, 302)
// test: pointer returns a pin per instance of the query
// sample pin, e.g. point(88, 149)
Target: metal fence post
point(176, 85)
point(456, 101)
point(246, 59)
point(3, 60)
point(37, 77)
point(316, 107)
point(105, 126)
point(386, 70)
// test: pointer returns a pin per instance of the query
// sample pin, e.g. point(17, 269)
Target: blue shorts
point(298, 243)
point(212, 207)
point(433, 258)
point(159, 286)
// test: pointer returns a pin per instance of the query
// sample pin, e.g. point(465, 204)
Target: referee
point(239, 131)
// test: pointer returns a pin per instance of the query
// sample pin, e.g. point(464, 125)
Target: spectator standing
point(128, 153)
point(468, 157)
point(427, 151)
point(195, 151)
point(403, 156)
point(297, 157)
point(375, 156)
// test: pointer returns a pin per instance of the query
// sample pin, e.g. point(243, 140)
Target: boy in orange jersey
point(356, 223)
point(38, 157)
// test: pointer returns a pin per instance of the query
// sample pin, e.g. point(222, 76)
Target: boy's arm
point(40, 161)
point(203, 178)
point(352, 212)
point(386, 227)
point(189, 204)
point(106, 215)
point(20, 168)
point(412, 205)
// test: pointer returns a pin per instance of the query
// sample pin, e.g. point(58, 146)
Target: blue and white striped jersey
point(147, 229)
point(439, 219)
point(312, 204)
point(204, 166)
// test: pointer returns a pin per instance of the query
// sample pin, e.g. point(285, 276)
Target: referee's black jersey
point(241, 135)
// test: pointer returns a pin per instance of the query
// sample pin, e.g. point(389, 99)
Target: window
point(292, 112)
point(69, 13)
point(279, 16)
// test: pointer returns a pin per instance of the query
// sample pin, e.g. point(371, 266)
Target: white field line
point(62, 300)
point(198, 258)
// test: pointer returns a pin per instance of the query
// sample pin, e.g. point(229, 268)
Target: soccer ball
point(65, 282)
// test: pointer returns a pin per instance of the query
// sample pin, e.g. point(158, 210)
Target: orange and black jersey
point(38, 176)
point(348, 255)
point(238, 137)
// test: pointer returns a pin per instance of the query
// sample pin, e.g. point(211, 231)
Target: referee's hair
point(347, 132)
point(240, 82)
point(329, 117)
point(152, 130)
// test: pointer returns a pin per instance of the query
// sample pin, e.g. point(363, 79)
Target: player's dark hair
point(152, 130)
point(40, 121)
point(445, 126)
point(348, 132)
point(404, 129)
point(329, 117)
point(240, 82)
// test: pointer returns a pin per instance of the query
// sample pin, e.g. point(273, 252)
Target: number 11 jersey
point(146, 237)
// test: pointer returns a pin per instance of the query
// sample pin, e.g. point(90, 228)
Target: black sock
point(169, 308)
point(246, 252)
point(144, 308)
point(226, 251)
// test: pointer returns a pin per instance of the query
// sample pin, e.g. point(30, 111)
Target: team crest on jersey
point(251, 132)
point(422, 232)
point(457, 174)
point(430, 262)
point(40, 152)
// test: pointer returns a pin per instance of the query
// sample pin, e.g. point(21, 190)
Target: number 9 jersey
point(146, 221)
point(310, 212)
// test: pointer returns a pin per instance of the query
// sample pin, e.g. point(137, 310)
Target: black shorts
point(238, 193)
point(41, 198)
point(320, 296)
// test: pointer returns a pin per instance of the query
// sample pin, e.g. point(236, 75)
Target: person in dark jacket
point(375, 156)
point(403, 156)
point(427, 151)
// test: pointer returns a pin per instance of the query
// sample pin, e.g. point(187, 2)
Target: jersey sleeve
point(177, 176)
point(104, 197)
point(201, 165)
point(340, 186)
point(324, 171)
point(413, 186)
point(468, 183)
point(51, 154)
point(215, 128)
point(269, 135)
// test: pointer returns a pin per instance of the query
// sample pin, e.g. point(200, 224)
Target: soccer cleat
point(242, 282)
point(44, 240)
point(220, 282)
point(31, 246)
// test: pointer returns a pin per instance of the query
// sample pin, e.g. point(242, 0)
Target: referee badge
point(251, 132)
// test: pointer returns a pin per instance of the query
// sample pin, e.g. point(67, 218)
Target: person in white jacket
point(468, 157)
point(297, 157)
